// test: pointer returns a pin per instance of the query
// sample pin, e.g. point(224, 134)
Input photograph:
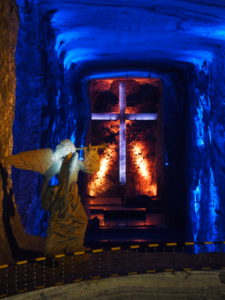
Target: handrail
point(145, 258)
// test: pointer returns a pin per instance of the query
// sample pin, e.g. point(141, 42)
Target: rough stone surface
point(196, 285)
point(61, 47)
point(45, 112)
point(12, 235)
point(8, 34)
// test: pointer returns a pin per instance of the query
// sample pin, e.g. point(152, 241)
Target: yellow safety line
point(223, 268)
point(206, 268)
point(40, 258)
point(189, 243)
point(97, 250)
point(3, 295)
point(59, 255)
point(171, 244)
point(168, 270)
point(22, 262)
point(114, 275)
point(4, 266)
point(135, 246)
point(115, 248)
point(153, 245)
point(79, 253)
point(39, 287)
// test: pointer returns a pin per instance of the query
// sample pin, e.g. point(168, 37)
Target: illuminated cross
point(122, 116)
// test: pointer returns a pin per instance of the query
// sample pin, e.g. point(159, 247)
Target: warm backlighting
point(145, 181)
point(100, 182)
point(122, 117)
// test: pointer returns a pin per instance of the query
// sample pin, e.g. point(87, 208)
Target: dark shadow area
point(8, 212)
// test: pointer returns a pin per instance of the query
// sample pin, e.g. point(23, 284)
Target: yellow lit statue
point(68, 219)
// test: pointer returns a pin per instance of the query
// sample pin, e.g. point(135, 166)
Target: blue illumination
point(196, 194)
point(72, 138)
point(49, 109)
point(58, 101)
point(75, 56)
point(123, 74)
point(205, 201)
point(210, 135)
point(65, 38)
point(210, 32)
point(199, 123)
point(214, 205)
point(166, 160)
point(196, 57)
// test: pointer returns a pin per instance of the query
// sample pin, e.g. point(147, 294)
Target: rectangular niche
point(125, 116)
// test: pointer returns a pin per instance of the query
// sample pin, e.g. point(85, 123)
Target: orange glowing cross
point(122, 116)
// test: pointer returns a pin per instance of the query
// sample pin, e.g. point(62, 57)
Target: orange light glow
point(99, 183)
point(145, 181)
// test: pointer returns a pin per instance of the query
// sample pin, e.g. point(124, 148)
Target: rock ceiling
point(135, 33)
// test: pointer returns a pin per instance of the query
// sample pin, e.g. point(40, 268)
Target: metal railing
point(41, 272)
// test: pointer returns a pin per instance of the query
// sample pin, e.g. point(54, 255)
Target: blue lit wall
point(206, 155)
point(61, 45)
point(45, 111)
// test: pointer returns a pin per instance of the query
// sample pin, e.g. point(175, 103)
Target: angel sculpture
point(68, 219)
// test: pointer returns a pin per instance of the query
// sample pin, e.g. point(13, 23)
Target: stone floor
point(196, 285)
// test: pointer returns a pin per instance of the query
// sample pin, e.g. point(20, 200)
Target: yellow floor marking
point(4, 266)
point(59, 255)
point(171, 244)
point(135, 246)
point(40, 259)
point(115, 248)
point(79, 253)
point(153, 245)
point(97, 250)
point(22, 262)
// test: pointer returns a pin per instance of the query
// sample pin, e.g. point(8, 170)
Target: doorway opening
point(125, 192)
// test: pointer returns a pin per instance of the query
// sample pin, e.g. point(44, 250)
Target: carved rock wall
point(8, 34)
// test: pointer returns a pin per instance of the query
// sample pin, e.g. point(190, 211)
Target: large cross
point(122, 116)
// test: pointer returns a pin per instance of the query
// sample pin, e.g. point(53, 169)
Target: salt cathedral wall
point(47, 109)
point(8, 34)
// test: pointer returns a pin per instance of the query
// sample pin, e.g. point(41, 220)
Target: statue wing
point(39, 160)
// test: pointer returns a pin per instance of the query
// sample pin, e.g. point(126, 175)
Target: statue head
point(64, 148)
